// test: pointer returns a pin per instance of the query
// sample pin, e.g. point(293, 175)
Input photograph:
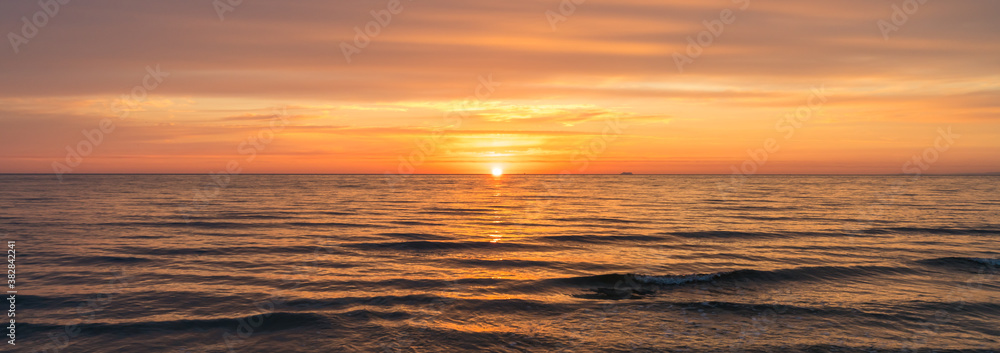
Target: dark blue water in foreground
point(510, 264)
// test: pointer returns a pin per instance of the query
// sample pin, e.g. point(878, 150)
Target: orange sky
point(597, 92)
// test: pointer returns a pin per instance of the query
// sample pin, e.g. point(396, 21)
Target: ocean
point(517, 263)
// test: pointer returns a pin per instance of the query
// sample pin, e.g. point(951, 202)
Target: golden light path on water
point(444, 262)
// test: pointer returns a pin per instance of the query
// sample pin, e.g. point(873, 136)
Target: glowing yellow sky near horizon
point(600, 94)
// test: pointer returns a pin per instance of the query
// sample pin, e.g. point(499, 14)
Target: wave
point(388, 300)
point(991, 262)
point(443, 245)
point(417, 223)
point(632, 285)
point(262, 283)
point(156, 236)
point(233, 215)
point(504, 263)
point(772, 347)
point(457, 211)
point(68, 278)
point(970, 263)
point(471, 305)
point(602, 238)
point(192, 224)
point(943, 231)
point(333, 213)
point(986, 309)
point(97, 260)
point(750, 309)
point(722, 234)
point(418, 236)
point(333, 225)
point(33, 302)
point(236, 250)
point(276, 321)
point(596, 219)
point(633, 279)
point(520, 224)
point(411, 284)
point(751, 208)
point(597, 222)
point(238, 225)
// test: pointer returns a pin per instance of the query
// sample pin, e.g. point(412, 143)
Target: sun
point(497, 171)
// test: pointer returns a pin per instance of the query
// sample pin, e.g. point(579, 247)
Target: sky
point(529, 86)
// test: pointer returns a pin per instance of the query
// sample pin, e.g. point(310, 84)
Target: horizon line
point(488, 174)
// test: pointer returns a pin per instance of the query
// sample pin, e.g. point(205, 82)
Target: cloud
point(608, 60)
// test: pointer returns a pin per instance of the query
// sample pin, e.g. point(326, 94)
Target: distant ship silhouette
point(626, 173)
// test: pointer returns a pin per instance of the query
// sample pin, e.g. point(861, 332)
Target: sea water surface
point(518, 263)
